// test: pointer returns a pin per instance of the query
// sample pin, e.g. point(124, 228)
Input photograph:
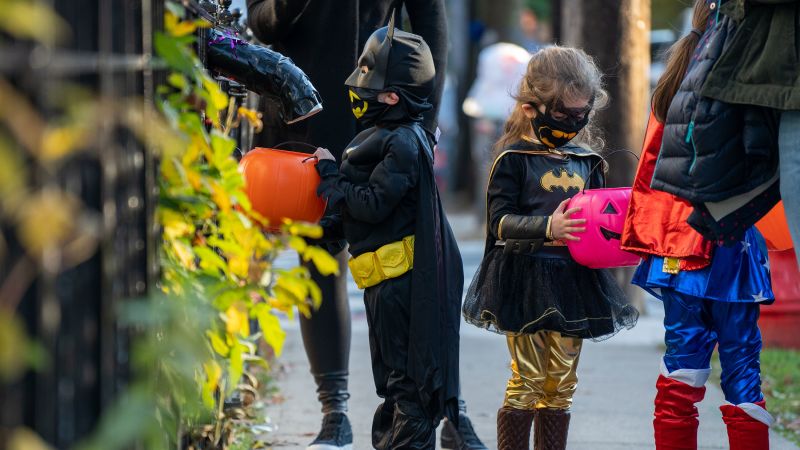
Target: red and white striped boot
point(675, 422)
point(748, 425)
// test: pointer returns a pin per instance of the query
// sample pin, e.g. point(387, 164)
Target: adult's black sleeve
point(271, 20)
point(429, 20)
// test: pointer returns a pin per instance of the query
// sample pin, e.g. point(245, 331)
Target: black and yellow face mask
point(556, 133)
point(365, 106)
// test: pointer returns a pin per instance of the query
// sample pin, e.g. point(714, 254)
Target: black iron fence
point(72, 312)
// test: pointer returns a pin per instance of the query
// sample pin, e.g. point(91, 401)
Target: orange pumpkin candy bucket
point(282, 184)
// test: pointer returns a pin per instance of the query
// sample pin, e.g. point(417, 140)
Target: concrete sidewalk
point(613, 405)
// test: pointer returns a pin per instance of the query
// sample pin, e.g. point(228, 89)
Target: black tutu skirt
point(515, 294)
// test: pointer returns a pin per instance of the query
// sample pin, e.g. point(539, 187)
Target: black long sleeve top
point(526, 181)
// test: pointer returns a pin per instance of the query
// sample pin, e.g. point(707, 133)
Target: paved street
point(613, 405)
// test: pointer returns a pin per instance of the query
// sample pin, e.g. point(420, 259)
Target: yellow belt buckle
point(671, 266)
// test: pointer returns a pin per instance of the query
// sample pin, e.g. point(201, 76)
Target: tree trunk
point(616, 34)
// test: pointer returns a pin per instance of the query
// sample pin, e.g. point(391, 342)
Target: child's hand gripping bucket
point(604, 210)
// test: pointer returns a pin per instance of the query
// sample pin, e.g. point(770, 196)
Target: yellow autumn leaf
point(33, 20)
point(217, 98)
point(298, 244)
point(218, 344)
point(59, 142)
point(193, 152)
point(183, 251)
point(170, 172)
point(293, 286)
point(213, 375)
point(25, 439)
point(304, 229)
point(236, 320)
point(220, 197)
point(47, 219)
point(175, 224)
point(13, 173)
point(253, 117)
point(239, 266)
point(324, 262)
point(194, 178)
point(178, 28)
point(271, 329)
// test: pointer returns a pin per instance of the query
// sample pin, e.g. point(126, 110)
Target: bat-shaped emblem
point(609, 235)
point(358, 111)
point(562, 180)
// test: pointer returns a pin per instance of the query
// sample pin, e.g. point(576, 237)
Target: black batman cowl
point(400, 62)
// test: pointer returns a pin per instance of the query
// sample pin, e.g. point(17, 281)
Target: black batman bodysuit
point(526, 283)
point(385, 191)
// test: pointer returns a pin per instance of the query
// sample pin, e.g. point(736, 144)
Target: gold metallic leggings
point(543, 370)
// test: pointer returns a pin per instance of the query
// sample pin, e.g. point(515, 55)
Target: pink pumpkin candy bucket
point(604, 210)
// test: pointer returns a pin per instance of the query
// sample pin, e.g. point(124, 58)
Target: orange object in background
point(775, 230)
point(780, 321)
point(282, 184)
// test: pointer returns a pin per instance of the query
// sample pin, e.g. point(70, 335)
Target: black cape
point(437, 286)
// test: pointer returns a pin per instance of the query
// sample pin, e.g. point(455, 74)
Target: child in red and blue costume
point(711, 293)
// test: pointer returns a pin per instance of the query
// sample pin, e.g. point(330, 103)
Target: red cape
point(656, 221)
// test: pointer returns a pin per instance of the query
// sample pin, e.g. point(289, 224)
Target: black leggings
point(326, 338)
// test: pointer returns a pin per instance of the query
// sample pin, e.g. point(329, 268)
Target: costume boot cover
point(748, 425)
point(550, 428)
point(393, 61)
point(675, 422)
point(514, 428)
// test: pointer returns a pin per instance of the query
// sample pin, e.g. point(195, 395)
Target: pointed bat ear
point(390, 31)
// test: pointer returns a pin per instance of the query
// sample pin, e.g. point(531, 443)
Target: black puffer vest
point(712, 150)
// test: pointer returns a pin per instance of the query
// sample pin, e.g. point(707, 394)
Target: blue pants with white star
point(694, 326)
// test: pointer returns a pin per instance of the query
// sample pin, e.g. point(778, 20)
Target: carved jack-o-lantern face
point(604, 211)
point(610, 234)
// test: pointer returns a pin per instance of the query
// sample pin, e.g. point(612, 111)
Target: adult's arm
point(271, 20)
point(429, 20)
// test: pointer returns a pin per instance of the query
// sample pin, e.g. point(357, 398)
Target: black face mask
point(365, 106)
point(557, 133)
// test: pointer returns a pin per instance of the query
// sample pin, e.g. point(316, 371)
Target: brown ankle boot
point(514, 428)
point(550, 429)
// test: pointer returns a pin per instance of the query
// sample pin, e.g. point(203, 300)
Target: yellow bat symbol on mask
point(358, 111)
point(550, 181)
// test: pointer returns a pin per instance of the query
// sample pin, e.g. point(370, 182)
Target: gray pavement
point(613, 405)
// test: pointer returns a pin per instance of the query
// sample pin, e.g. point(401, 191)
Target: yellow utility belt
point(390, 261)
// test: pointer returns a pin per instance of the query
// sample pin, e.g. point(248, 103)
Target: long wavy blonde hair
point(557, 74)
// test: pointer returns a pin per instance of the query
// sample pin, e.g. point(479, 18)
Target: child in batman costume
point(528, 287)
point(403, 252)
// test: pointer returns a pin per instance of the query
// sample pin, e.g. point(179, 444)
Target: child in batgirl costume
point(528, 287)
point(711, 293)
point(404, 254)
